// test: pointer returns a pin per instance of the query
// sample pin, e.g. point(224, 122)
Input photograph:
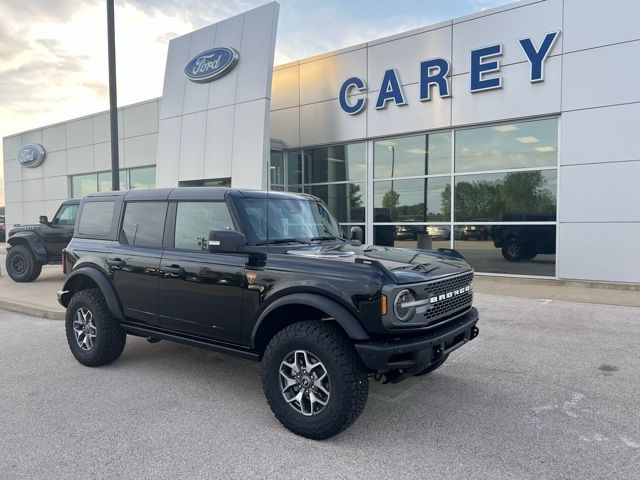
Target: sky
point(53, 53)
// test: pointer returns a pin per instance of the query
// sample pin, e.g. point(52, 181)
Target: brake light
point(383, 305)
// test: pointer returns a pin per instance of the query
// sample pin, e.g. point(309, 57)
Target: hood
point(23, 228)
point(404, 265)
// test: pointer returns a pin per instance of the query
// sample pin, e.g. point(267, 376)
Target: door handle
point(116, 262)
point(173, 270)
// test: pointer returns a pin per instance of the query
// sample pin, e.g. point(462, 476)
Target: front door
point(60, 230)
point(201, 292)
point(134, 261)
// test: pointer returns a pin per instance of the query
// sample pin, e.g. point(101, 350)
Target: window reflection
point(276, 168)
point(346, 200)
point(511, 249)
point(518, 196)
point(515, 145)
point(335, 163)
point(413, 156)
point(294, 167)
point(424, 237)
point(414, 200)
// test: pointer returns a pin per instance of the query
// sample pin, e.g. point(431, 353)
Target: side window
point(66, 216)
point(143, 224)
point(96, 219)
point(194, 220)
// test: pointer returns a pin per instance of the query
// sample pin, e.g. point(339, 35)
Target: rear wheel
point(22, 265)
point(314, 380)
point(514, 251)
point(94, 336)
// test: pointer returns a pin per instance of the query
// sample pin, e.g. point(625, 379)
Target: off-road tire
point(110, 337)
point(433, 366)
point(30, 267)
point(347, 374)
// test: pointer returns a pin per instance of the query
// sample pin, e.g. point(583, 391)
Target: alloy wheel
point(18, 264)
point(304, 382)
point(84, 328)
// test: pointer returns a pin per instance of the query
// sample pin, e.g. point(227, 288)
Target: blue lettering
point(479, 68)
point(434, 72)
point(390, 90)
point(537, 57)
point(349, 83)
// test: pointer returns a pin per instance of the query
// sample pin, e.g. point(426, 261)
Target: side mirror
point(356, 234)
point(226, 241)
point(44, 219)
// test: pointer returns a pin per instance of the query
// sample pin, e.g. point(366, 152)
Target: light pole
point(113, 98)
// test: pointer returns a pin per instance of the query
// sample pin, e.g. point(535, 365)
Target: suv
point(270, 277)
point(31, 246)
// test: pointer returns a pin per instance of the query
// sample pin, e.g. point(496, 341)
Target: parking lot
point(548, 390)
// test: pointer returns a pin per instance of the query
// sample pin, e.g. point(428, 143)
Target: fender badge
point(251, 277)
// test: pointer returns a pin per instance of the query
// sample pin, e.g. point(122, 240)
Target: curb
point(34, 310)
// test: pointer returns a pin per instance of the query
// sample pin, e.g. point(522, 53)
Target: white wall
point(221, 128)
point(74, 147)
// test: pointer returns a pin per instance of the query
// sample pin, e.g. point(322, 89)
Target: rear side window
point(143, 224)
point(194, 220)
point(96, 219)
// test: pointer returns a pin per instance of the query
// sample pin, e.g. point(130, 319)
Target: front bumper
point(412, 355)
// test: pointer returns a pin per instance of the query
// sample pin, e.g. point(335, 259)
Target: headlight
point(403, 312)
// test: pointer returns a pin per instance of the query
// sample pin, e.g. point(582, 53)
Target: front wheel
point(314, 381)
point(95, 337)
point(22, 265)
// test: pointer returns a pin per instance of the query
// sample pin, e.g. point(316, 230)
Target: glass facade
point(131, 179)
point(335, 173)
point(489, 192)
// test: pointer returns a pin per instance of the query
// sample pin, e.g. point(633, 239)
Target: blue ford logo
point(31, 155)
point(212, 64)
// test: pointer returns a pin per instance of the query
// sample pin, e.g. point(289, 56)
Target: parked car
point(268, 277)
point(524, 242)
point(409, 232)
point(29, 247)
point(477, 232)
point(2, 229)
point(439, 232)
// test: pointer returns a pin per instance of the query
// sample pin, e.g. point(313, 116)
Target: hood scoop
point(320, 252)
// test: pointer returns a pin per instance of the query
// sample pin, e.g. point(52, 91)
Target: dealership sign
point(484, 74)
point(212, 64)
point(31, 155)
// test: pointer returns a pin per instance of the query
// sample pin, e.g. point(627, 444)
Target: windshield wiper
point(327, 237)
point(281, 240)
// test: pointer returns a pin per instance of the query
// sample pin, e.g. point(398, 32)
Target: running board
point(193, 342)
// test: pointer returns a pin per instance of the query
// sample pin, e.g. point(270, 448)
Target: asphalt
point(548, 390)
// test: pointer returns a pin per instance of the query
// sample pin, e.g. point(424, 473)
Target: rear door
point(200, 292)
point(134, 261)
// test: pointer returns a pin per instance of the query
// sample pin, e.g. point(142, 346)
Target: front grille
point(443, 309)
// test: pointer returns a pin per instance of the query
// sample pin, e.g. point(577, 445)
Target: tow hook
point(474, 332)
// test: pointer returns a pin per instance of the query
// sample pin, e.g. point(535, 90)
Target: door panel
point(134, 271)
point(201, 293)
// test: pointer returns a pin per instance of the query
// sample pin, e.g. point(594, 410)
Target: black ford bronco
point(29, 247)
point(269, 277)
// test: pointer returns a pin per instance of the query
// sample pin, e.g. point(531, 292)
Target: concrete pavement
point(548, 390)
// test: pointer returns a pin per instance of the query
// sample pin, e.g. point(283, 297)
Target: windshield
point(297, 220)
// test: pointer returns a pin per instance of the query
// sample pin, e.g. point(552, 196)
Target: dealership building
point(510, 134)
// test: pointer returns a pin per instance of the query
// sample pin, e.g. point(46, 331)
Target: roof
point(194, 193)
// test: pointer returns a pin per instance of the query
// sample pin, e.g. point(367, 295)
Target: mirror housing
point(44, 219)
point(227, 241)
point(356, 233)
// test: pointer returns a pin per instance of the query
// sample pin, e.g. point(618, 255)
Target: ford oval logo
point(212, 64)
point(31, 155)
